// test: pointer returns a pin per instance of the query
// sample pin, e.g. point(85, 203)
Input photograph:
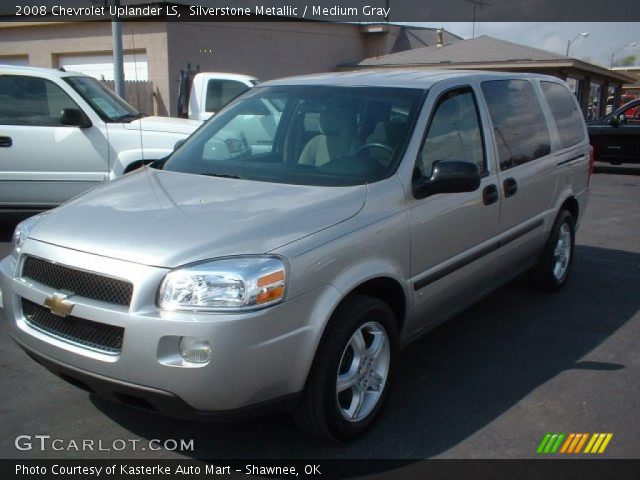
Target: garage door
point(16, 61)
point(101, 66)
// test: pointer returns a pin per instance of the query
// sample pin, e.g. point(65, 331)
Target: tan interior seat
point(337, 137)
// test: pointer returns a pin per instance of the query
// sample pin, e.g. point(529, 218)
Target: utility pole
point(118, 67)
point(476, 4)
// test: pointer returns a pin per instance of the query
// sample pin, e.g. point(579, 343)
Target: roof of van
point(408, 78)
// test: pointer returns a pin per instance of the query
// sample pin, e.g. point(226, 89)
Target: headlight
point(239, 283)
point(21, 233)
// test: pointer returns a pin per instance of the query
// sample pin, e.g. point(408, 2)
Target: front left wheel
point(351, 375)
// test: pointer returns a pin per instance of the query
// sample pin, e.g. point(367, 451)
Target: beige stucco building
point(157, 51)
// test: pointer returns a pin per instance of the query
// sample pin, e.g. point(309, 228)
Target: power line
point(476, 4)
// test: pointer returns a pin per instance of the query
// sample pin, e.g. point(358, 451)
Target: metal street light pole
point(118, 67)
point(571, 42)
point(632, 44)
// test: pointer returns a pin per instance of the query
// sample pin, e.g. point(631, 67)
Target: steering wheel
point(382, 146)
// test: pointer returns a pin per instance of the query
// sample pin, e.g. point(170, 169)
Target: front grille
point(86, 333)
point(78, 282)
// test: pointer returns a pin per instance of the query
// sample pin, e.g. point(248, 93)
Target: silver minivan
point(287, 272)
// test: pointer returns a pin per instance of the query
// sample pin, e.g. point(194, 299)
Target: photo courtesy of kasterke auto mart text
point(280, 257)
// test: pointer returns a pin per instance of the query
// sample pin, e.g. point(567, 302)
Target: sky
point(604, 38)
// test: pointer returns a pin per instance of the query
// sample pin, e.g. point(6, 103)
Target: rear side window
point(31, 101)
point(565, 113)
point(518, 122)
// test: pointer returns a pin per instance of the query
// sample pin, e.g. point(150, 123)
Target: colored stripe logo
point(573, 443)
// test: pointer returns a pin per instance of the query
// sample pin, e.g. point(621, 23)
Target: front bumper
point(155, 400)
point(257, 356)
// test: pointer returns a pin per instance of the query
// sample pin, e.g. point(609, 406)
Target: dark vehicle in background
point(616, 137)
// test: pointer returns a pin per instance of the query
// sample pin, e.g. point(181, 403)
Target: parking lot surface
point(490, 383)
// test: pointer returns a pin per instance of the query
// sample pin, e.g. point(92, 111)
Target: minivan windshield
point(109, 106)
point(308, 135)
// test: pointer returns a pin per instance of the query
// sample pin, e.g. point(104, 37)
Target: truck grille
point(86, 333)
point(78, 282)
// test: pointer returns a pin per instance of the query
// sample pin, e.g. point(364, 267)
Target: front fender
point(358, 274)
point(332, 296)
point(127, 157)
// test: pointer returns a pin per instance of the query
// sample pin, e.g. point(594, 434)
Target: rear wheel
point(351, 376)
point(552, 271)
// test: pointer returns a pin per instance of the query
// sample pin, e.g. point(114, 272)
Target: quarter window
point(31, 101)
point(454, 133)
point(518, 122)
point(565, 113)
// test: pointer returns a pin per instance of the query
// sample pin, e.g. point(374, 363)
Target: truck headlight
point(19, 237)
point(238, 283)
point(21, 233)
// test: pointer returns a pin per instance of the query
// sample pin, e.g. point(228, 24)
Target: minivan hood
point(168, 219)
point(163, 124)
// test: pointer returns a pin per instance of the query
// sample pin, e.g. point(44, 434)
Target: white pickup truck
point(61, 133)
point(210, 91)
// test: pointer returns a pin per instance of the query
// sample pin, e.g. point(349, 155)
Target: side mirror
point(614, 121)
point(448, 177)
point(74, 117)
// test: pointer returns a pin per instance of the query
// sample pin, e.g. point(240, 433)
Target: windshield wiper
point(225, 175)
point(129, 117)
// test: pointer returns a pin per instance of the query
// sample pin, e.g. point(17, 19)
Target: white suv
point(62, 133)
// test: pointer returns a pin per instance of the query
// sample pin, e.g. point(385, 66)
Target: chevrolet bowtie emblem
point(59, 305)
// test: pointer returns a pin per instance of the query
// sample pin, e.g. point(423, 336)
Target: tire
point(552, 271)
point(346, 356)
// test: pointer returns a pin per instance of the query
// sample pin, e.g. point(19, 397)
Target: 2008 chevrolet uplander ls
point(283, 254)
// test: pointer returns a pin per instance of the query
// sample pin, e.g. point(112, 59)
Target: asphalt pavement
point(490, 383)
